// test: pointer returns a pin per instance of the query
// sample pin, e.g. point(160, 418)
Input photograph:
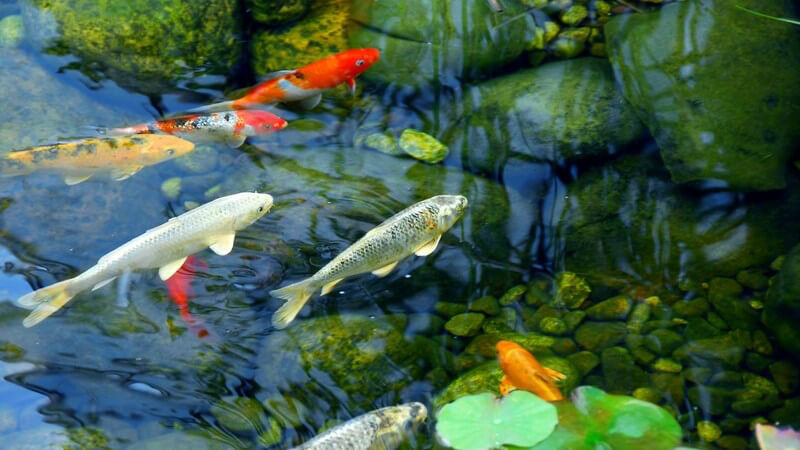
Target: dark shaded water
point(570, 164)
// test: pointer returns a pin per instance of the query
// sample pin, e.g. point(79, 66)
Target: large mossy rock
point(276, 12)
point(560, 111)
point(628, 221)
point(362, 358)
point(426, 41)
point(782, 307)
point(320, 33)
point(716, 86)
point(144, 46)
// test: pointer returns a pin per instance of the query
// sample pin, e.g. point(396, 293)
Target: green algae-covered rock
point(143, 45)
point(621, 373)
point(559, 111)
point(484, 344)
point(595, 336)
point(663, 341)
point(239, 414)
point(512, 295)
point(571, 290)
point(449, 309)
point(486, 304)
point(553, 325)
point(423, 147)
point(584, 361)
point(318, 34)
point(427, 41)
point(786, 376)
point(739, 128)
point(467, 324)
point(276, 12)
point(782, 306)
point(724, 294)
point(363, 358)
point(12, 31)
point(721, 349)
point(708, 431)
point(615, 308)
point(382, 142)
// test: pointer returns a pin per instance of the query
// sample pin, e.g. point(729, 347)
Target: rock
point(239, 414)
point(730, 442)
point(142, 46)
point(276, 12)
point(584, 361)
point(449, 309)
point(752, 279)
point(513, 295)
point(696, 307)
point(417, 39)
point(574, 15)
point(570, 43)
point(383, 142)
point(756, 362)
point(727, 379)
point(761, 343)
point(640, 314)
point(782, 305)
point(574, 318)
point(505, 322)
point(423, 147)
point(621, 374)
point(699, 328)
point(725, 295)
point(364, 359)
point(753, 407)
point(708, 431)
point(320, 33)
point(710, 400)
point(486, 304)
point(12, 31)
point(484, 345)
point(467, 324)
point(484, 378)
point(573, 375)
point(705, 126)
point(171, 187)
point(723, 349)
point(571, 290)
point(595, 336)
point(786, 376)
point(663, 342)
point(560, 111)
point(672, 385)
point(666, 365)
point(647, 394)
point(789, 414)
point(533, 321)
point(635, 344)
point(697, 375)
point(553, 325)
point(760, 384)
point(540, 292)
point(616, 308)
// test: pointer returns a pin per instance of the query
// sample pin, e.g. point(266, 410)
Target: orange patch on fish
point(179, 288)
point(523, 371)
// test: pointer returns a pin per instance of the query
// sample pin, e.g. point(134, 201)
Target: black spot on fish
point(138, 140)
point(112, 143)
point(89, 148)
point(51, 153)
point(228, 117)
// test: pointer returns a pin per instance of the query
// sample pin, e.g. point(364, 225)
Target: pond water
point(637, 156)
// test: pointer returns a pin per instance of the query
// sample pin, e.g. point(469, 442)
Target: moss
point(423, 146)
point(276, 12)
point(12, 31)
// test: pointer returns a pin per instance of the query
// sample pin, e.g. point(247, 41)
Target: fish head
point(248, 207)
point(154, 148)
point(450, 209)
point(398, 422)
point(355, 61)
point(261, 122)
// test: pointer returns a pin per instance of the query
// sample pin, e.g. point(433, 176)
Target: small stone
point(786, 376)
point(696, 307)
point(466, 324)
point(724, 294)
point(615, 308)
point(213, 191)
point(727, 378)
point(537, 42)
point(602, 8)
point(570, 43)
point(760, 384)
point(752, 279)
point(171, 187)
point(756, 362)
point(505, 322)
point(202, 160)
point(423, 146)
point(734, 424)
point(551, 30)
point(484, 345)
point(663, 342)
point(667, 365)
point(761, 343)
point(539, 292)
point(722, 349)
point(788, 414)
point(532, 321)
point(639, 315)
point(486, 304)
point(272, 435)
point(620, 372)
point(635, 344)
point(574, 318)
point(512, 295)
point(595, 336)
point(730, 442)
point(438, 377)
point(716, 321)
point(448, 309)
point(584, 361)
point(553, 325)
point(571, 290)
point(383, 142)
point(239, 414)
point(756, 406)
point(565, 346)
point(574, 15)
point(699, 328)
point(12, 31)
point(777, 263)
point(697, 375)
point(647, 394)
point(708, 431)
point(711, 400)
point(756, 304)
point(653, 301)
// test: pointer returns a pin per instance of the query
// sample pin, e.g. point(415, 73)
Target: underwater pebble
point(449, 309)
point(698, 375)
point(584, 361)
point(647, 394)
point(571, 290)
point(595, 336)
point(667, 365)
point(708, 431)
point(639, 315)
point(486, 304)
point(786, 376)
point(466, 324)
point(273, 435)
point(171, 187)
point(552, 325)
point(697, 307)
point(538, 292)
point(730, 442)
point(12, 31)
point(574, 15)
point(423, 146)
point(512, 295)
point(384, 143)
point(615, 308)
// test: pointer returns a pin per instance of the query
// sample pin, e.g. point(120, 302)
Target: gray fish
point(414, 230)
point(383, 429)
point(166, 246)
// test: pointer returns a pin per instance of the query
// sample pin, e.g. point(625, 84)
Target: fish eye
point(260, 209)
point(360, 62)
point(170, 151)
point(268, 126)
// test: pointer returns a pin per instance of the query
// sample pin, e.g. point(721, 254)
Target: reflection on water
point(576, 165)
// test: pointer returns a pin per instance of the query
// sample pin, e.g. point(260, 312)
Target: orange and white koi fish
point(179, 288)
point(306, 84)
point(231, 127)
point(523, 371)
point(118, 157)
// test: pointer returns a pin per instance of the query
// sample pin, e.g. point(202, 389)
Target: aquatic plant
point(767, 16)
point(483, 421)
point(770, 437)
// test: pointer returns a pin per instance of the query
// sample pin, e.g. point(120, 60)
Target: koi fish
point(231, 127)
point(306, 84)
point(384, 428)
point(119, 157)
point(166, 246)
point(416, 229)
point(179, 288)
point(523, 371)
point(772, 438)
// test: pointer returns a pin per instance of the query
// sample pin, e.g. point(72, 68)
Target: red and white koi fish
point(306, 84)
point(231, 127)
point(179, 288)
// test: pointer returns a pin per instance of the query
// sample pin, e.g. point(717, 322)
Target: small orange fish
point(306, 84)
point(179, 287)
point(523, 371)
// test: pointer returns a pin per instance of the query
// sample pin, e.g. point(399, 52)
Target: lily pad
point(482, 421)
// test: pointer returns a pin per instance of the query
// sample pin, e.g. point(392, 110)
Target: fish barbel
point(416, 229)
point(166, 246)
point(384, 428)
point(119, 157)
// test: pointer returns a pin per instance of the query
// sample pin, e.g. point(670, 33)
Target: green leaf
point(481, 421)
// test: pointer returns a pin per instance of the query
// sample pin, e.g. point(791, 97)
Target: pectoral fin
point(235, 141)
point(223, 244)
point(72, 180)
point(169, 269)
point(428, 248)
point(329, 287)
point(310, 102)
point(506, 386)
point(124, 173)
point(383, 271)
point(103, 283)
point(553, 375)
point(351, 84)
point(276, 74)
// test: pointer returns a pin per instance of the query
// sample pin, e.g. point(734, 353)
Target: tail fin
point(296, 295)
point(45, 301)
point(214, 107)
